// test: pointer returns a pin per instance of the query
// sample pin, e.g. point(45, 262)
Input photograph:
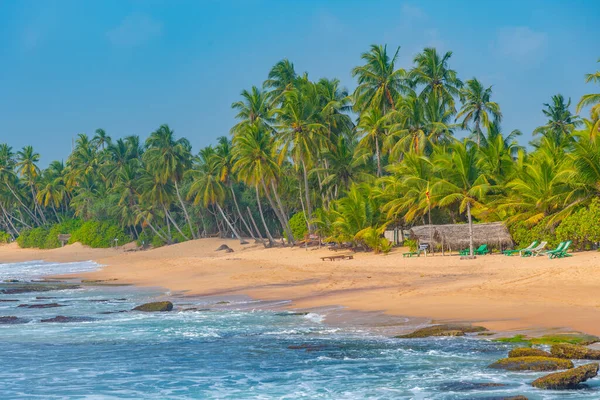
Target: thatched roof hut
point(456, 236)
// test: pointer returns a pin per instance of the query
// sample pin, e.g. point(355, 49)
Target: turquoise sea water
point(227, 351)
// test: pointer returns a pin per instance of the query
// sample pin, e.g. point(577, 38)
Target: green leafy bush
point(99, 234)
point(373, 239)
point(298, 225)
point(4, 237)
point(33, 238)
point(582, 227)
point(66, 227)
point(523, 234)
point(411, 244)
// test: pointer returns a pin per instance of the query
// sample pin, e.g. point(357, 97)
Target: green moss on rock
point(567, 379)
point(155, 306)
point(573, 351)
point(532, 364)
point(443, 330)
point(528, 352)
point(572, 338)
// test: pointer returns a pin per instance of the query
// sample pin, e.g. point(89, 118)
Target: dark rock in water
point(528, 352)
point(155, 306)
point(573, 351)
point(12, 280)
point(113, 312)
point(41, 287)
point(8, 300)
point(10, 320)
point(468, 386)
point(443, 330)
point(44, 297)
point(120, 299)
point(567, 379)
point(223, 302)
point(63, 319)
point(224, 247)
point(532, 364)
point(291, 314)
point(308, 347)
point(194, 309)
point(49, 305)
point(99, 301)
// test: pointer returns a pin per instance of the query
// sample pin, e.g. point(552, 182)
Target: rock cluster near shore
point(157, 306)
point(443, 330)
point(568, 379)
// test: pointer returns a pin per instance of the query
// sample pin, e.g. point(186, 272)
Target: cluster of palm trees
point(352, 163)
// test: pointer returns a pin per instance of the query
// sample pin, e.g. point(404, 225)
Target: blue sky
point(127, 66)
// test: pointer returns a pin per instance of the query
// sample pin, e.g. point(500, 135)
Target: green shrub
point(523, 234)
point(99, 234)
point(411, 244)
point(298, 225)
point(4, 237)
point(372, 238)
point(33, 238)
point(582, 227)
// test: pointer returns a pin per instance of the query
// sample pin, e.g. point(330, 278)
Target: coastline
point(505, 294)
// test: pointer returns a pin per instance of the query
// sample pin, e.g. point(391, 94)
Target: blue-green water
point(233, 351)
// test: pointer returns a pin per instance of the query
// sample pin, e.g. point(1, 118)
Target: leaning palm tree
point(372, 126)
point(379, 82)
point(168, 158)
point(28, 169)
point(477, 108)
point(459, 181)
point(592, 100)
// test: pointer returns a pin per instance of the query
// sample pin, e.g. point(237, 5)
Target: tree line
point(309, 158)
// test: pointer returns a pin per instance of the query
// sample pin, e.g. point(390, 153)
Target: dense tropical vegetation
point(309, 158)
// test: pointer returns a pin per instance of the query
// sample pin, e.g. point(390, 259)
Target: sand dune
point(502, 293)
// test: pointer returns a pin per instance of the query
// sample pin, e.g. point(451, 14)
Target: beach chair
point(535, 251)
point(422, 249)
point(514, 251)
point(481, 250)
point(563, 252)
point(557, 249)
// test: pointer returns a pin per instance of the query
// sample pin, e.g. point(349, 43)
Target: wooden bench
point(336, 258)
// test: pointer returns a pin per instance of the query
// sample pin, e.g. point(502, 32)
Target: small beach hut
point(456, 236)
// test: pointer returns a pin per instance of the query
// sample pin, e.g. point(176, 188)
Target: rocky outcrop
point(462, 386)
point(567, 379)
point(443, 330)
point(63, 319)
point(528, 352)
point(532, 364)
point(573, 351)
point(48, 305)
point(33, 287)
point(519, 397)
point(11, 320)
point(157, 306)
point(8, 300)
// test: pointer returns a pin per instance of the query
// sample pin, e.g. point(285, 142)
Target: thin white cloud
point(411, 12)
point(134, 30)
point(520, 43)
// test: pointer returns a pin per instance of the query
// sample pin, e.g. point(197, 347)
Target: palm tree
point(379, 82)
point(459, 181)
point(101, 139)
point(168, 158)
point(497, 154)
point(253, 109)
point(477, 108)
point(438, 82)
point(27, 168)
point(372, 125)
point(8, 177)
point(281, 79)
point(592, 100)
point(561, 122)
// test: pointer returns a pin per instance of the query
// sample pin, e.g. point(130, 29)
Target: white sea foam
point(38, 268)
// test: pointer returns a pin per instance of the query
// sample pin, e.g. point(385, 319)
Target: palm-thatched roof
point(456, 236)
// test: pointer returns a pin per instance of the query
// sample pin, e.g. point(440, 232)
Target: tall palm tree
point(27, 168)
point(254, 108)
point(459, 181)
point(380, 84)
point(372, 125)
point(168, 158)
point(281, 79)
point(477, 108)
point(561, 122)
point(432, 74)
point(592, 100)
point(101, 139)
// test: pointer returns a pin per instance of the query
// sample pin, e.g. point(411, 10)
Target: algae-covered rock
point(528, 352)
point(573, 351)
point(532, 364)
point(567, 379)
point(63, 319)
point(462, 386)
point(155, 306)
point(519, 397)
point(47, 305)
point(443, 330)
point(11, 320)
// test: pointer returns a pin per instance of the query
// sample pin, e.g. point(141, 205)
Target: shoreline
point(508, 295)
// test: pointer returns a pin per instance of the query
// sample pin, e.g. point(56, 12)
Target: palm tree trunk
point(262, 217)
point(242, 241)
point(15, 230)
point(55, 213)
point(187, 217)
point(22, 204)
point(174, 223)
point(307, 194)
point(36, 205)
point(156, 232)
point(470, 229)
point(280, 217)
point(260, 238)
point(237, 207)
point(283, 214)
point(378, 156)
